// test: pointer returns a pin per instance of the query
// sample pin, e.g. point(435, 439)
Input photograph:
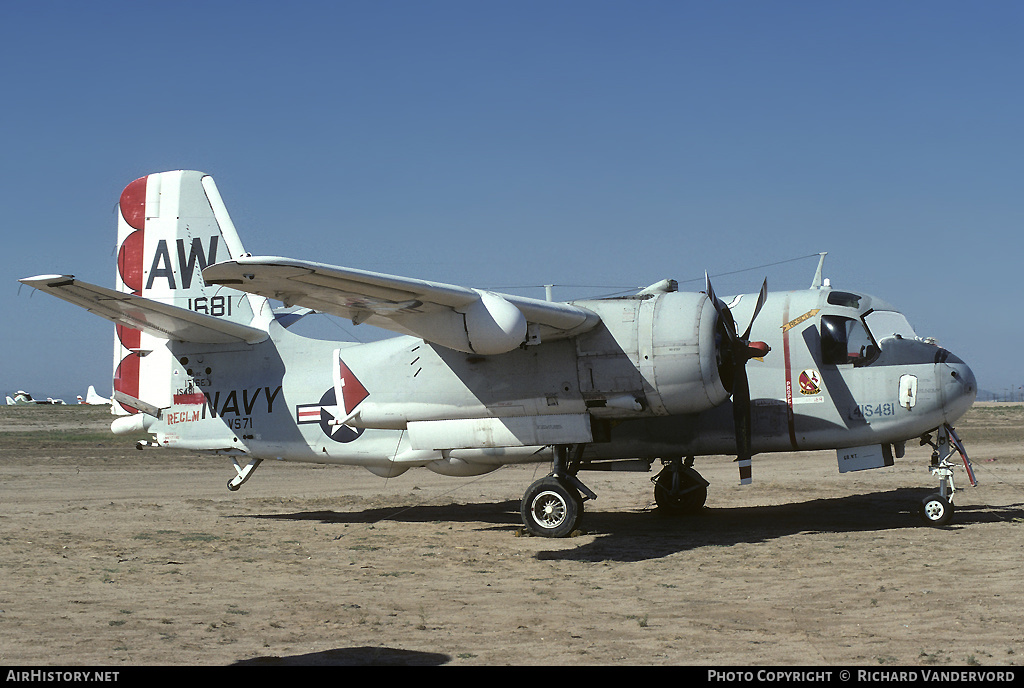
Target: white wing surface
point(468, 320)
point(149, 316)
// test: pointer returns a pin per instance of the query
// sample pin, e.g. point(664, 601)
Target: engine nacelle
point(685, 371)
point(659, 351)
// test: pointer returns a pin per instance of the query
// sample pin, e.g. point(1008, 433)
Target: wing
point(149, 316)
point(468, 320)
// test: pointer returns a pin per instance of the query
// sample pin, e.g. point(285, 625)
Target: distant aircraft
point(92, 397)
point(479, 379)
point(22, 397)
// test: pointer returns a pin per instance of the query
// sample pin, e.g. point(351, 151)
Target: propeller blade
point(710, 291)
point(740, 350)
point(761, 298)
point(723, 311)
point(742, 422)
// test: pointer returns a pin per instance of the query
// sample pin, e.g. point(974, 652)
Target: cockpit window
point(844, 298)
point(846, 340)
point(885, 324)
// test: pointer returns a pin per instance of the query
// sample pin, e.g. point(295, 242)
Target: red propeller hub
point(757, 349)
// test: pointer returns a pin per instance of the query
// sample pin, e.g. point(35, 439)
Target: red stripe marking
point(133, 203)
point(130, 267)
point(312, 413)
point(129, 254)
point(129, 337)
point(791, 420)
point(126, 378)
point(129, 262)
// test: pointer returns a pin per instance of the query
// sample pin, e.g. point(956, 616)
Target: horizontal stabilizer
point(128, 400)
point(469, 320)
point(149, 316)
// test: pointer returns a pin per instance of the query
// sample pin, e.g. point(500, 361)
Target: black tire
point(550, 508)
point(936, 510)
point(683, 500)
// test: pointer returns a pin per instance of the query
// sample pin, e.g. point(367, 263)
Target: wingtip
point(47, 280)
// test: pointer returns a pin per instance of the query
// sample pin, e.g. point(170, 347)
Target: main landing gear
point(937, 509)
point(678, 489)
point(553, 506)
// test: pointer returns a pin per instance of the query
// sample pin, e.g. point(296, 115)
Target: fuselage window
point(844, 298)
point(845, 340)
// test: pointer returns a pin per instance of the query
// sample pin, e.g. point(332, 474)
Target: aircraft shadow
point(492, 513)
point(646, 534)
point(625, 540)
point(353, 656)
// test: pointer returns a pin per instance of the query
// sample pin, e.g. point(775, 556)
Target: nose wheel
point(936, 510)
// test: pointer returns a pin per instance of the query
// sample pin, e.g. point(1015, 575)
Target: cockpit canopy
point(857, 337)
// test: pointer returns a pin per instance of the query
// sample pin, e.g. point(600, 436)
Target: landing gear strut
point(553, 506)
point(243, 473)
point(937, 509)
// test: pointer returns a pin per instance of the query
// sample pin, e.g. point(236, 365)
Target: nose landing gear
point(937, 509)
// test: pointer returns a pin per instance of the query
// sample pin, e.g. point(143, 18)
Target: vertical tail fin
point(171, 225)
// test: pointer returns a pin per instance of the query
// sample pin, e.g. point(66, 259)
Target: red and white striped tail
point(170, 226)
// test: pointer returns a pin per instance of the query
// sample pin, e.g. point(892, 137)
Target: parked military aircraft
point(93, 398)
point(479, 379)
point(22, 397)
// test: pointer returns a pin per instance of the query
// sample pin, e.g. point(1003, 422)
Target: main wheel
point(936, 510)
point(550, 508)
point(687, 496)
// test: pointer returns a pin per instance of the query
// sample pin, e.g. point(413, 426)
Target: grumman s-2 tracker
point(203, 361)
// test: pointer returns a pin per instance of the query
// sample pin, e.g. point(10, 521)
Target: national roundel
point(323, 414)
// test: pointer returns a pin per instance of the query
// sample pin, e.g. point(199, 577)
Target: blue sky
point(497, 144)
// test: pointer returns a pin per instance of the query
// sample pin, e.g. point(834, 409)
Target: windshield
point(886, 324)
point(846, 340)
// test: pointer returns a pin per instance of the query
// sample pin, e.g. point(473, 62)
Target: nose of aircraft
point(959, 388)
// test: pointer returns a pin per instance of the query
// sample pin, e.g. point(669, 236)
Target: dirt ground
point(116, 557)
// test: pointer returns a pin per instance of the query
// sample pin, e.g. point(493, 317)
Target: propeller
point(736, 350)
